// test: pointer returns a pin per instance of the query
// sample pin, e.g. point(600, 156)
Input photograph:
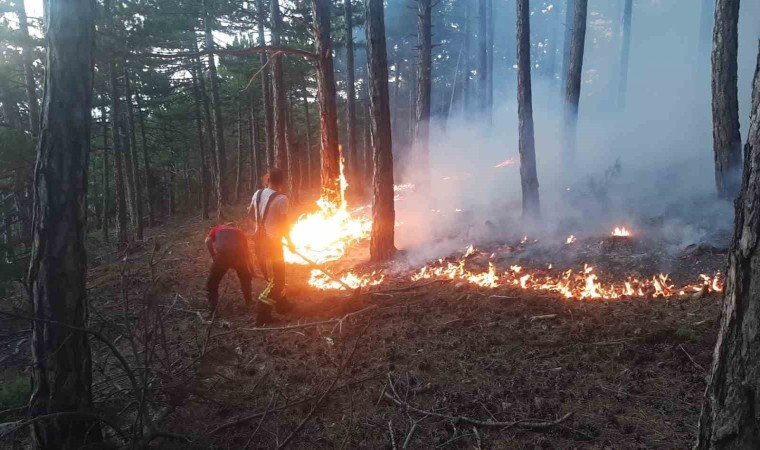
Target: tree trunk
point(118, 156)
point(569, 15)
point(216, 104)
point(128, 170)
point(368, 158)
point(201, 145)
point(27, 59)
point(266, 87)
point(62, 365)
point(527, 146)
point(328, 111)
point(725, 99)
point(573, 79)
point(625, 54)
point(309, 151)
point(239, 172)
point(147, 174)
point(422, 119)
point(172, 191)
point(354, 169)
point(381, 246)
point(466, 91)
point(106, 189)
point(489, 62)
point(280, 106)
point(255, 155)
point(729, 410)
point(135, 163)
point(209, 126)
point(482, 55)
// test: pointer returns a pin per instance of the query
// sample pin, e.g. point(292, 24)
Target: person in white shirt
point(269, 208)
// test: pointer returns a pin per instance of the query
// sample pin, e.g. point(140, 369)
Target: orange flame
point(621, 231)
point(583, 284)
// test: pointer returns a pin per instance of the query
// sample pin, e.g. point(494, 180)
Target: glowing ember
point(570, 239)
point(325, 235)
point(505, 163)
point(621, 231)
point(583, 284)
point(321, 281)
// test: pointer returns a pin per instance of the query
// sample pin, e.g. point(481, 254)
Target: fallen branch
point(696, 364)
point(306, 325)
point(544, 317)
point(256, 415)
point(79, 414)
point(523, 423)
point(324, 394)
point(237, 52)
point(407, 288)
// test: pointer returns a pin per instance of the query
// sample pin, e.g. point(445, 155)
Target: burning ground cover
point(630, 372)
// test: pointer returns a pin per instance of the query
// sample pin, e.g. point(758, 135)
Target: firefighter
point(269, 208)
point(228, 248)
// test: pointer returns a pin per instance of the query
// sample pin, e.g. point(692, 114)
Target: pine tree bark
point(216, 105)
point(106, 188)
point(137, 186)
point(568, 41)
point(725, 99)
point(381, 246)
point(625, 54)
point(489, 62)
point(201, 146)
point(482, 55)
point(354, 168)
point(209, 125)
point(118, 157)
point(239, 172)
point(266, 86)
point(729, 410)
point(527, 146)
point(368, 157)
point(62, 365)
point(466, 91)
point(424, 69)
point(128, 170)
point(256, 150)
point(27, 59)
point(147, 174)
point(573, 79)
point(280, 107)
point(328, 110)
point(309, 150)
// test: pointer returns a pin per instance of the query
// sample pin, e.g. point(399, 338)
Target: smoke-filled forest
point(344, 224)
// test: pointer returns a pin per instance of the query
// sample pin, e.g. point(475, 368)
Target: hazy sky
point(33, 8)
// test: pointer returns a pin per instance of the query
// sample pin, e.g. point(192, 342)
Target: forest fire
point(325, 235)
point(580, 284)
point(621, 232)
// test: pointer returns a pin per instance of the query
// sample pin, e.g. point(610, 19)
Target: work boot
point(263, 314)
point(283, 306)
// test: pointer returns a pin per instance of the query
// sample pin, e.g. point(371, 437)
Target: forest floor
point(630, 373)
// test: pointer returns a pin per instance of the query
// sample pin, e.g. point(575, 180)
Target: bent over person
point(269, 207)
point(228, 248)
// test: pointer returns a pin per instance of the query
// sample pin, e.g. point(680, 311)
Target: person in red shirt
point(228, 248)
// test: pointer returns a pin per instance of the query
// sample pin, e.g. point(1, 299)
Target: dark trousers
point(274, 263)
point(222, 263)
